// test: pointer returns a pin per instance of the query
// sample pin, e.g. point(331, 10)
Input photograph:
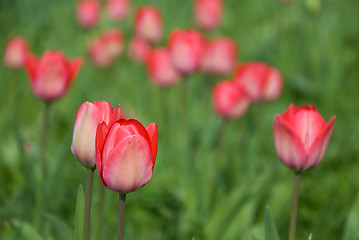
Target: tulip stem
point(293, 218)
point(88, 197)
point(121, 216)
point(45, 127)
point(100, 211)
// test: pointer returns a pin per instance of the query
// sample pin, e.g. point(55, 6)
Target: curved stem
point(293, 218)
point(88, 197)
point(121, 216)
point(45, 127)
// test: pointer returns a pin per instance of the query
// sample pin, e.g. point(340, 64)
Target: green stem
point(88, 197)
point(45, 127)
point(121, 216)
point(293, 218)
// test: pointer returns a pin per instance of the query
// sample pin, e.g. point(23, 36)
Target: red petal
point(73, 67)
point(31, 64)
point(101, 134)
point(152, 130)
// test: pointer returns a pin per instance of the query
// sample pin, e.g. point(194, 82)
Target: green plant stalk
point(45, 127)
point(121, 216)
point(88, 197)
point(293, 217)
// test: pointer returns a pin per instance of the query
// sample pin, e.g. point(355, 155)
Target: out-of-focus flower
point(186, 49)
point(208, 13)
point(161, 69)
point(230, 100)
point(139, 49)
point(51, 75)
point(106, 48)
point(301, 137)
point(117, 9)
point(88, 117)
point(219, 56)
point(15, 52)
point(125, 154)
point(261, 81)
point(88, 12)
point(148, 24)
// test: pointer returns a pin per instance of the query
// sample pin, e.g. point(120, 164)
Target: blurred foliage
point(315, 44)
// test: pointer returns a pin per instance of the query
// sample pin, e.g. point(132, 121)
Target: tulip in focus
point(230, 100)
point(88, 12)
point(88, 117)
point(125, 154)
point(15, 52)
point(219, 56)
point(51, 75)
point(208, 13)
point(148, 24)
point(301, 137)
point(117, 9)
point(139, 49)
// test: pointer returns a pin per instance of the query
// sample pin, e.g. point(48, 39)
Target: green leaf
point(271, 232)
point(25, 231)
point(351, 231)
point(62, 230)
point(79, 218)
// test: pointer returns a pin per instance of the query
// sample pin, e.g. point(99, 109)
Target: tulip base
point(121, 216)
point(293, 218)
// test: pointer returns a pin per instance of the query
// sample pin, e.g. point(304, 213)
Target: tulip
point(230, 100)
point(88, 12)
point(117, 9)
point(148, 24)
point(139, 49)
point(186, 49)
point(51, 75)
point(208, 13)
point(126, 154)
point(161, 69)
point(15, 52)
point(88, 117)
point(219, 56)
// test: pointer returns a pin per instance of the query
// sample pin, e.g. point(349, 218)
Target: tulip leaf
point(79, 217)
point(351, 230)
point(25, 231)
point(271, 232)
point(62, 229)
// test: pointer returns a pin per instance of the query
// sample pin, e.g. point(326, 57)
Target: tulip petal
point(31, 64)
point(101, 134)
point(152, 130)
point(73, 68)
point(105, 110)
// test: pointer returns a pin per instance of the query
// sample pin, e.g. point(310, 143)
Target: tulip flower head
point(126, 154)
point(148, 24)
point(117, 9)
point(139, 49)
point(51, 75)
point(15, 52)
point(88, 12)
point(301, 137)
point(208, 13)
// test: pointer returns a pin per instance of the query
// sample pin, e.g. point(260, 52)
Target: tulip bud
point(117, 9)
point(139, 49)
point(208, 13)
point(88, 12)
point(126, 154)
point(230, 100)
point(15, 52)
point(301, 137)
point(148, 24)
point(52, 74)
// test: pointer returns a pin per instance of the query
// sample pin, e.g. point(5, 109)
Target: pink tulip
point(139, 49)
point(15, 52)
point(208, 13)
point(161, 69)
point(88, 117)
point(230, 100)
point(186, 49)
point(88, 12)
point(51, 75)
point(301, 137)
point(261, 81)
point(148, 24)
point(219, 56)
point(126, 154)
point(117, 9)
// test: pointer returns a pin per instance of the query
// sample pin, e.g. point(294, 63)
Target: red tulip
point(117, 9)
point(219, 56)
point(88, 117)
point(186, 49)
point(230, 100)
point(261, 81)
point(301, 137)
point(15, 52)
point(51, 75)
point(161, 69)
point(139, 49)
point(148, 24)
point(208, 13)
point(126, 154)
point(88, 12)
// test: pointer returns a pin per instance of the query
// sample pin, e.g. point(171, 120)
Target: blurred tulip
point(301, 137)
point(106, 48)
point(219, 56)
point(88, 117)
point(139, 49)
point(51, 75)
point(208, 13)
point(126, 154)
point(186, 49)
point(15, 52)
point(230, 100)
point(261, 81)
point(148, 24)
point(161, 69)
point(88, 12)
point(117, 9)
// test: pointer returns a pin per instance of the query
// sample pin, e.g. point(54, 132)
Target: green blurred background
point(314, 43)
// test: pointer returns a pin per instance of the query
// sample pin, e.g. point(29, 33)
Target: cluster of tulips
point(122, 150)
